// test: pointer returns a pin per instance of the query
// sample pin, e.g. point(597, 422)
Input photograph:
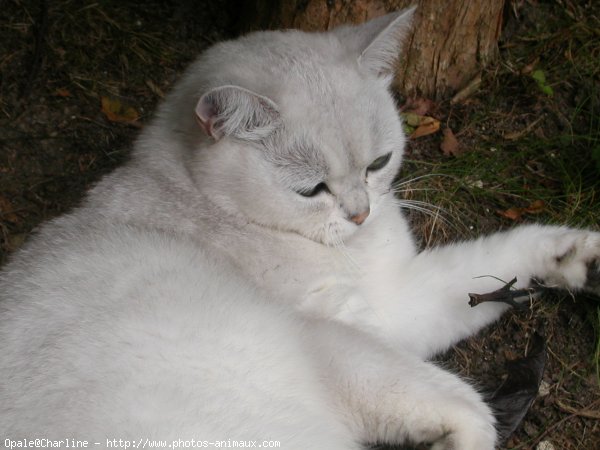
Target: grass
point(470, 192)
point(481, 184)
point(520, 146)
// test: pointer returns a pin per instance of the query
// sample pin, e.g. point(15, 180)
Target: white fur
point(197, 294)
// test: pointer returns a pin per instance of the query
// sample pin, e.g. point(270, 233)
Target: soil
point(60, 59)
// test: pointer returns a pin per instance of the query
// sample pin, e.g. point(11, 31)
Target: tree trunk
point(451, 41)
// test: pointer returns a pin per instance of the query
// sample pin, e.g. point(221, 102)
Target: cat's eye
point(379, 163)
point(321, 187)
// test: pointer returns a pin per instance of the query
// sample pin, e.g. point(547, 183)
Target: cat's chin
point(332, 234)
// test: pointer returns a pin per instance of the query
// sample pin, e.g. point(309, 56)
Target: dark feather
point(514, 397)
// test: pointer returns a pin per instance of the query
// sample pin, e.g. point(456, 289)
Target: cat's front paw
point(474, 435)
point(470, 425)
point(573, 260)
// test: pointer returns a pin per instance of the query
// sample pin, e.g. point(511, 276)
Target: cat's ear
point(378, 42)
point(236, 112)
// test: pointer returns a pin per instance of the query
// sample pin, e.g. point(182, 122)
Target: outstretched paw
point(574, 261)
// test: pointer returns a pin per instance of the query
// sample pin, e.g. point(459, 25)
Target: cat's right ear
point(378, 42)
point(236, 112)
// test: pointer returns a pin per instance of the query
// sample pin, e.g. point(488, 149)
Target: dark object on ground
point(514, 397)
point(506, 295)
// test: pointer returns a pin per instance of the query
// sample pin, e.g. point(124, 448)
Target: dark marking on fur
point(567, 255)
point(592, 281)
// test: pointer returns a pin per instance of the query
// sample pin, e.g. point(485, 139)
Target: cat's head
point(302, 132)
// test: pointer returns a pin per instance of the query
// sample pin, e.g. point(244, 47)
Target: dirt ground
point(60, 61)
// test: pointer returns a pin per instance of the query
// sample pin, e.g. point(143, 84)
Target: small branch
point(556, 425)
point(588, 412)
point(467, 91)
point(506, 295)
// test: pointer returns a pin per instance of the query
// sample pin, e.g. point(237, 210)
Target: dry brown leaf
point(115, 111)
point(428, 125)
point(536, 207)
point(63, 92)
point(512, 213)
point(526, 70)
point(516, 214)
point(450, 145)
point(419, 106)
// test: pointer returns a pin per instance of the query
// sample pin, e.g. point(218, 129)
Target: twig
point(506, 295)
point(585, 412)
point(554, 426)
point(467, 91)
point(519, 134)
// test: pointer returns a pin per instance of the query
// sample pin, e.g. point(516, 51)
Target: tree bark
point(451, 41)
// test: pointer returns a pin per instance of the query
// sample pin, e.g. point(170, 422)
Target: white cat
point(248, 275)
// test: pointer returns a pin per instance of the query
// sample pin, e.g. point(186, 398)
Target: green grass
point(522, 145)
point(483, 181)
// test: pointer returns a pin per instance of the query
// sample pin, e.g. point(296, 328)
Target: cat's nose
point(360, 218)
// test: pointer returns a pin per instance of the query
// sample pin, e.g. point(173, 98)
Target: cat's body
point(260, 283)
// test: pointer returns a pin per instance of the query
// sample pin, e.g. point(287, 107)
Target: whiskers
point(334, 237)
point(423, 207)
point(401, 185)
point(439, 215)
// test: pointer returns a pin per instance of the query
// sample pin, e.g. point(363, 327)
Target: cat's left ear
point(236, 112)
point(379, 41)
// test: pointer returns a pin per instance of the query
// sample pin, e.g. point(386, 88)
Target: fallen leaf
point(411, 119)
point(450, 145)
point(115, 111)
point(512, 213)
point(536, 207)
point(428, 125)
point(540, 78)
point(63, 92)
point(417, 126)
point(419, 106)
point(516, 214)
point(526, 70)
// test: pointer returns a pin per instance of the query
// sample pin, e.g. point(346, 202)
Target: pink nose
point(360, 218)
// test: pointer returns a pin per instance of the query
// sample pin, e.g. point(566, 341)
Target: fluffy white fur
point(198, 294)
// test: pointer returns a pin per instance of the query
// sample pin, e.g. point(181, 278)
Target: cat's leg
point(394, 397)
point(425, 306)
